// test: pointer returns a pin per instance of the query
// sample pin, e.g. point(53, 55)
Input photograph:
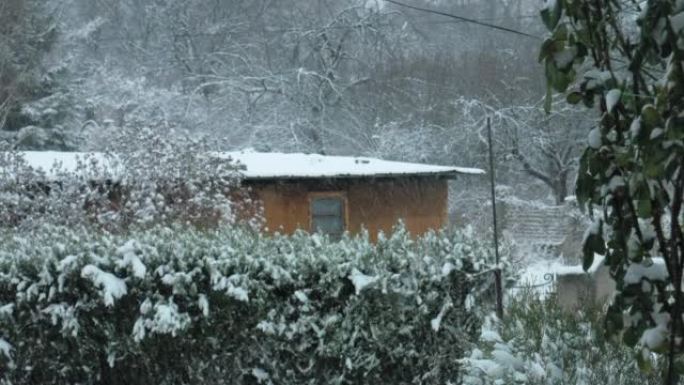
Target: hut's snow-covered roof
point(269, 165)
point(275, 165)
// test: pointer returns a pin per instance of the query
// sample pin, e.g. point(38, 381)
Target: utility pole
point(497, 269)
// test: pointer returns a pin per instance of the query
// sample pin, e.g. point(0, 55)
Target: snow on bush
point(145, 178)
point(539, 343)
point(111, 286)
point(179, 305)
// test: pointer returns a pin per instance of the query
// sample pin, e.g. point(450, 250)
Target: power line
point(300, 30)
point(463, 19)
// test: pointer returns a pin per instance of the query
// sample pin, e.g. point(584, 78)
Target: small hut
point(335, 194)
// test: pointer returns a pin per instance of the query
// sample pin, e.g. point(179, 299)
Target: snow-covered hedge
point(182, 306)
point(538, 343)
point(143, 180)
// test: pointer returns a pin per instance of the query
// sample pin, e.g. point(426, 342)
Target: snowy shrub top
point(151, 179)
point(538, 343)
point(179, 305)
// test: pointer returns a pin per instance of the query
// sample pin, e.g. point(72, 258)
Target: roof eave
point(439, 175)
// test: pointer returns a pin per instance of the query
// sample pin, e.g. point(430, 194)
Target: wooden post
point(497, 270)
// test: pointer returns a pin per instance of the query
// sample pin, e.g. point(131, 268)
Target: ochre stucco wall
point(376, 205)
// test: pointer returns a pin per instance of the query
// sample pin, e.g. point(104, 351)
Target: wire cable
point(463, 19)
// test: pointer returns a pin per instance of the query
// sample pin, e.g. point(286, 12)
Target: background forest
point(358, 77)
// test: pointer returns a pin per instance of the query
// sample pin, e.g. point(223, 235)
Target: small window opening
point(327, 216)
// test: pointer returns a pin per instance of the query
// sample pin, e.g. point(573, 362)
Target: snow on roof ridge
point(278, 165)
point(301, 165)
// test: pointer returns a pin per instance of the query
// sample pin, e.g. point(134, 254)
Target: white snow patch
point(616, 182)
point(612, 99)
point(238, 293)
point(447, 269)
point(539, 275)
point(112, 287)
point(488, 367)
point(506, 359)
point(677, 21)
point(593, 229)
point(130, 258)
point(203, 304)
point(66, 262)
point(6, 310)
point(266, 327)
point(655, 337)
point(596, 78)
point(548, 4)
point(264, 165)
point(301, 296)
point(87, 29)
point(53, 163)
point(561, 269)
point(594, 138)
point(436, 322)
point(565, 57)
point(647, 230)
point(5, 348)
point(167, 319)
point(653, 269)
point(469, 301)
point(361, 281)
point(536, 371)
point(490, 336)
point(635, 127)
point(256, 165)
point(657, 132)
point(260, 374)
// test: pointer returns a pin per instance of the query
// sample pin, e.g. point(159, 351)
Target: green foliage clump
point(182, 306)
point(626, 59)
point(538, 342)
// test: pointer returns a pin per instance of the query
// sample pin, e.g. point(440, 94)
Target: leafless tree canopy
point(328, 76)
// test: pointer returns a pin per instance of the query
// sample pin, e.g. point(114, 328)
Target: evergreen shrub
point(173, 305)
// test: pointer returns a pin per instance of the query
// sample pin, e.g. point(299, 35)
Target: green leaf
point(574, 97)
point(561, 36)
point(586, 184)
point(623, 159)
point(679, 364)
point(653, 169)
point(614, 320)
point(583, 37)
point(588, 259)
point(560, 80)
point(649, 115)
point(674, 128)
point(588, 99)
point(547, 49)
point(593, 244)
point(631, 337)
point(644, 208)
point(644, 361)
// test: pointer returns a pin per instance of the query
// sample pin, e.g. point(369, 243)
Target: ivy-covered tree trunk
point(626, 58)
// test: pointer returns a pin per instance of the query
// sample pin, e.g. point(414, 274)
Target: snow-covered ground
point(539, 274)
